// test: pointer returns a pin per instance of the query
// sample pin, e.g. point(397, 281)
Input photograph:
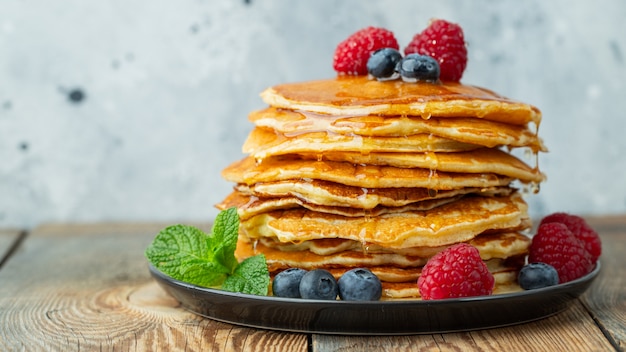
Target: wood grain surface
point(606, 300)
point(72, 288)
point(75, 287)
point(571, 330)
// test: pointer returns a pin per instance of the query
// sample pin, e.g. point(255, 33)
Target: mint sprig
point(188, 254)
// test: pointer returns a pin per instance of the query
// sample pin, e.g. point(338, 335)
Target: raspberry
point(554, 244)
point(457, 271)
point(443, 41)
point(352, 54)
point(581, 230)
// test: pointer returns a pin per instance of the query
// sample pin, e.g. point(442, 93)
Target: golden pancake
point(458, 221)
point(399, 282)
point(249, 206)
point(360, 96)
point(505, 282)
point(336, 194)
point(483, 160)
point(279, 260)
point(394, 274)
point(462, 129)
point(262, 143)
point(313, 253)
point(281, 168)
point(398, 267)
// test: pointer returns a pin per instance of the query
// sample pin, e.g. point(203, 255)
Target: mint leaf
point(251, 276)
point(223, 239)
point(187, 254)
point(182, 252)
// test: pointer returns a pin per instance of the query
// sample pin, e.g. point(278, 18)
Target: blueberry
point(415, 67)
point(318, 284)
point(537, 275)
point(359, 285)
point(383, 62)
point(287, 283)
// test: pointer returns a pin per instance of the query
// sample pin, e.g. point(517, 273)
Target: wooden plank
point(87, 287)
point(572, 330)
point(606, 299)
point(9, 239)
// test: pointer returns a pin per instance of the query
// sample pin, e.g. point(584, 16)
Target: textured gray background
point(168, 85)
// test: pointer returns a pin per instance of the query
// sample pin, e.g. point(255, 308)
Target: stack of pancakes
point(352, 172)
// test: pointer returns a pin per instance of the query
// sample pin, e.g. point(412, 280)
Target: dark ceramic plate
point(398, 317)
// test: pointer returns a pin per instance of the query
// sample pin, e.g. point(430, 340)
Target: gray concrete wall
point(166, 87)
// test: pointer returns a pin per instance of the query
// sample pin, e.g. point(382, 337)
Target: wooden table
point(71, 287)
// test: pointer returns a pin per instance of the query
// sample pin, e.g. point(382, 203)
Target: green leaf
point(187, 254)
point(251, 276)
point(223, 239)
point(182, 252)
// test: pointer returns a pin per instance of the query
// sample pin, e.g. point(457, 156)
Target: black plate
point(393, 317)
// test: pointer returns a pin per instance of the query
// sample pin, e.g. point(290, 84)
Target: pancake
point(505, 282)
point(393, 274)
point(278, 260)
point(462, 129)
point(458, 221)
point(336, 194)
point(483, 160)
point(247, 171)
point(360, 96)
point(490, 245)
point(262, 143)
point(398, 273)
point(249, 206)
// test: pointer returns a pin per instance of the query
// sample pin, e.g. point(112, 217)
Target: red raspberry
point(554, 244)
point(581, 230)
point(352, 54)
point(443, 41)
point(457, 271)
